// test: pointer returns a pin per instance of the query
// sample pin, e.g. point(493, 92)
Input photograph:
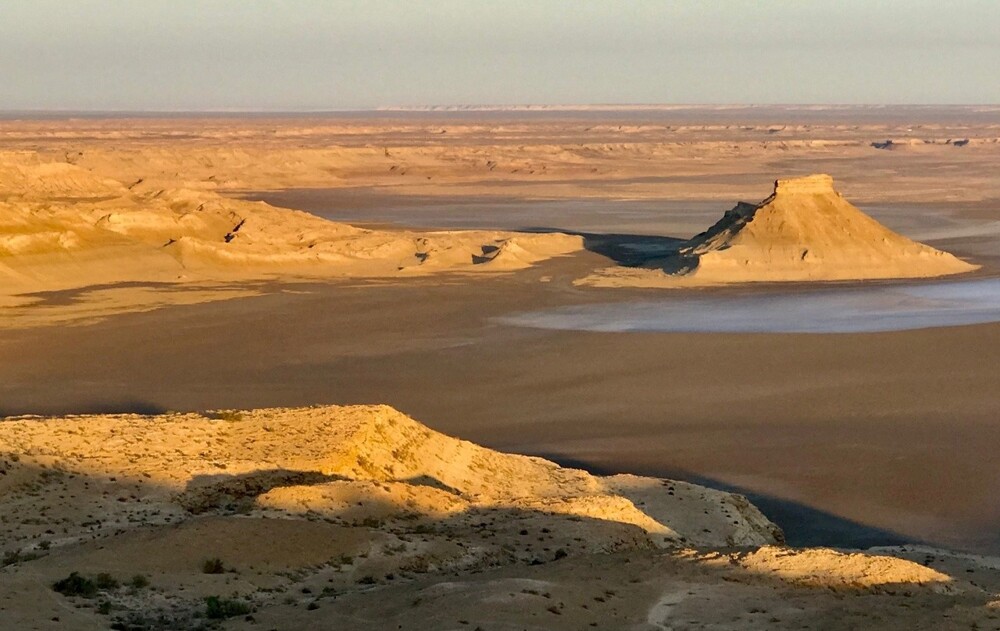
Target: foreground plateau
point(361, 518)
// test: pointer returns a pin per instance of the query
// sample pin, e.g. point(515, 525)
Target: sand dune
point(805, 231)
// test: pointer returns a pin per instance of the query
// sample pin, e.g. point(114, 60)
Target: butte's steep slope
point(805, 231)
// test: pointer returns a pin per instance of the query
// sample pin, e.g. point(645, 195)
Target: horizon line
point(471, 107)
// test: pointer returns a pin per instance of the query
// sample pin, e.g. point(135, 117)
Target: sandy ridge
point(320, 506)
point(63, 227)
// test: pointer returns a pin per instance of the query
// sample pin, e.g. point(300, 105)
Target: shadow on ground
point(111, 406)
point(629, 250)
point(804, 526)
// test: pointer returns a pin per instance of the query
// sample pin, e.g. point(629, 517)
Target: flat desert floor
point(841, 439)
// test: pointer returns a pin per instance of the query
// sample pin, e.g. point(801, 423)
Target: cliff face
point(807, 231)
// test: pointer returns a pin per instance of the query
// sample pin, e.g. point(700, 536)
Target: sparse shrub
point(76, 585)
point(15, 556)
point(139, 582)
point(367, 580)
point(104, 608)
point(423, 529)
point(408, 516)
point(561, 554)
point(106, 581)
point(366, 464)
point(418, 564)
point(221, 608)
point(213, 566)
point(391, 549)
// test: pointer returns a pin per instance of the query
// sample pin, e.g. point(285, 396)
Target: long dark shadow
point(622, 248)
point(117, 406)
point(803, 525)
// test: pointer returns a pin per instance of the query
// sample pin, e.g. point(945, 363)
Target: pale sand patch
point(821, 567)
point(659, 614)
point(90, 306)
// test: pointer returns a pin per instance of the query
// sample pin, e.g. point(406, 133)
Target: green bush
point(139, 581)
point(76, 585)
point(213, 566)
point(106, 581)
point(221, 608)
point(14, 556)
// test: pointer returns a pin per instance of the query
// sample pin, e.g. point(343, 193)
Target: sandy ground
point(361, 518)
point(723, 154)
point(835, 431)
point(850, 440)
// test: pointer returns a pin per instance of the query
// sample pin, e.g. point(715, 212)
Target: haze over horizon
point(156, 55)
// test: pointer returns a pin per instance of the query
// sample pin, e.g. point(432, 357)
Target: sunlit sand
point(503, 369)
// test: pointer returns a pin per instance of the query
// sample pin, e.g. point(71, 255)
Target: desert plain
point(161, 298)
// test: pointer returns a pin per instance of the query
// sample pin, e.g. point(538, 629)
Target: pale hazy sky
point(315, 54)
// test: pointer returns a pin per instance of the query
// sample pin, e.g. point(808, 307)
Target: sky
point(162, 55)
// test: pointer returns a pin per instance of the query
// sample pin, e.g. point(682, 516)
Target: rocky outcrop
point(308, 517)
point(366, 462)
point(62, 227)
point(807, 231)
